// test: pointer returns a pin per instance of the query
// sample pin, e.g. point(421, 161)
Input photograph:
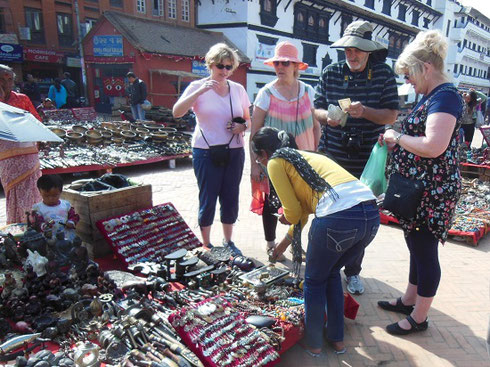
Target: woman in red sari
point(19, 162)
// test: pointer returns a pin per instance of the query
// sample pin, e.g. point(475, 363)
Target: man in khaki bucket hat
point(369, 86)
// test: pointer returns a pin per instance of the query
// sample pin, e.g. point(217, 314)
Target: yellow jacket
point(297, 198)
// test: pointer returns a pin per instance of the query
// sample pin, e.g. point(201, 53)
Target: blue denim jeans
point(215, 183)
point(138, 112)
point(334, 240)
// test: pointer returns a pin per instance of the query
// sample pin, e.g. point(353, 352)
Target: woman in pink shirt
point(222, 114)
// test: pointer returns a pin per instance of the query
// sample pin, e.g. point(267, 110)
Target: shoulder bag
point(403, 196)
point(220, 154)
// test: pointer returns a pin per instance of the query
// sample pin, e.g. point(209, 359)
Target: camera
point(236, 120)
point(351, 141)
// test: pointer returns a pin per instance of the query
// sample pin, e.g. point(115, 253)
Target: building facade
point(312, 25)
point(41, 37)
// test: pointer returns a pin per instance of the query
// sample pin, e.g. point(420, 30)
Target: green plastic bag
point(373, 175)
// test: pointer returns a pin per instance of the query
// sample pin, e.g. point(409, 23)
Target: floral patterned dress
point(440, 176)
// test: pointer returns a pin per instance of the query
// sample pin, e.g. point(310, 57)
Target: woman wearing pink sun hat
point(286, 104)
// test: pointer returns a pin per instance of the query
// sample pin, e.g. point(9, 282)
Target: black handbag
point(220, 154)
point(403, 196)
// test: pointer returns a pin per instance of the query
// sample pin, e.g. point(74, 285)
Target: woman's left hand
point(283, 220)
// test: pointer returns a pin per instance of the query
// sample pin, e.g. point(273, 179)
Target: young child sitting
point(53, 210)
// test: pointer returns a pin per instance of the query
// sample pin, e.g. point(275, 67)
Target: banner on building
point(9, 38)
point(11, 53)
point(73, 62)
point(264, 52)
point(114, 86)
point(108, 45)
point(199, 68)
point(40, 55)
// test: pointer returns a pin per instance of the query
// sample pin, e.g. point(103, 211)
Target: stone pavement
point(459, 318)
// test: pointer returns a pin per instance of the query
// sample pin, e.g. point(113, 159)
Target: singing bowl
point(74, 136)
point(60, 132)
point(128, 134)
point(79, 129)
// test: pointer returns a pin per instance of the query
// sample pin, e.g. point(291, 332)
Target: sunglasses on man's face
point(283, 63)
point(221, 66)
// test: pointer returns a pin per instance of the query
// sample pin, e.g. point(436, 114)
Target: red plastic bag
point(350, 306)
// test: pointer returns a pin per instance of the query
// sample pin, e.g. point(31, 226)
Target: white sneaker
point(354, 285)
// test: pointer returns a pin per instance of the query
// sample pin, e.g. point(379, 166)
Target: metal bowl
point(153, 126)
point(79, 129)
point(58, 131)
point(117, 140)
point(128, 134)
point(159, 136)
point(93, 134)
point(74, 136)
point(142, 130)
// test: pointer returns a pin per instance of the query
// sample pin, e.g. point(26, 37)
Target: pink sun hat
point(286, 51)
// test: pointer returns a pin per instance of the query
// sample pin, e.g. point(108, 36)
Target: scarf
point(316, 183)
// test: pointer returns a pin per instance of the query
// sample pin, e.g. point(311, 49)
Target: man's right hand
point(333, 123)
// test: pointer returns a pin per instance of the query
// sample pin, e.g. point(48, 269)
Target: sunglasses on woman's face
point(283, 63)
point(227, 67)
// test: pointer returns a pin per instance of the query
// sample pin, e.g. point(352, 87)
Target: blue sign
point(108, 46)
point(11, 53)
point(199, 68)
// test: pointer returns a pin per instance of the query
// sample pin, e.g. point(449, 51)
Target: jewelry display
point(221, 335)
point(149, 234)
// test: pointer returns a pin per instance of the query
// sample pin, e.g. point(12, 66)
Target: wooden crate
point(94, 206)
point(475, 171)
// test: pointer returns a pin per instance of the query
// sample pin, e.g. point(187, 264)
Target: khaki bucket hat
point(359, 35)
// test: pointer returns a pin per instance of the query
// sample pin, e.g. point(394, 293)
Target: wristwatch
point(397, 139)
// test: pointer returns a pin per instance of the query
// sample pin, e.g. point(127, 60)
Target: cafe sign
point(41, 55)
point(10, 52)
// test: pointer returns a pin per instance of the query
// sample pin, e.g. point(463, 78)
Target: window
point(369, 4)
point(346, 20)
point(340, 55)
point(89, 23)
point(426, 22)
point(386, 7)
point(429, 2)
point(268, 12)
point(157, 10)
point(448, 28)
point(2, 22)
point(34, 20)
point(402, 11)
point(172, 9)
point(185, 10)
point(455, 70)
point(397, 42)
point(460, 68)
point(470, 71)
point(141, 6)
point(464, 43)
point(415, 18)
point(116, 3)
point(309, 54)
point(310, 24)
point(65, 29)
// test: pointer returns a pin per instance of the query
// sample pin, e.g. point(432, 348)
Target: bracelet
point(397, 139)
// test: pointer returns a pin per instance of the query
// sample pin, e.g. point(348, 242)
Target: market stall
point(94, 145)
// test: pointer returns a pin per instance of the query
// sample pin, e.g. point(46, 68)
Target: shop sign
point(10, 53)
point(40, 55)
point(108, 46)
point(199, 68)
point(73, 62)
point(9, 38)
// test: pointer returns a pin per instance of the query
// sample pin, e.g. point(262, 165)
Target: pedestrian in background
point(426, 149)
point(71, 90)
point(216, 101)
point(31, 90)
point(286, 104)
point(371, 86)
point(137, 95)
point(57, 93)
point(19, 162)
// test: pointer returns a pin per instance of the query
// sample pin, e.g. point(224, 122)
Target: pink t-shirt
point(213, 113)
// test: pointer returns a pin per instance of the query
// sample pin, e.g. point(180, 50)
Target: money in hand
point(344, 103)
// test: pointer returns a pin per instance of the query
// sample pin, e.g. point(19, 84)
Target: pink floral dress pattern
point(440, 175)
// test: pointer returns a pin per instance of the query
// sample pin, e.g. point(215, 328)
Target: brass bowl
point(153, 127)
point(142, 130)
point(79, 129)
point(167, 130)
point(74, 136)
point(159, 136)
point(94, 141)
point(128, 134)
point(58, 131)
point(117, 140)
point(93, 134)
point(106, 134)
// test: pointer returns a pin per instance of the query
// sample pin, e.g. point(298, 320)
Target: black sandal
point(395, 329)
point(398, 307)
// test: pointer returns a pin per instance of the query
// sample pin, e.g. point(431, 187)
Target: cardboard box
point(94, 206)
